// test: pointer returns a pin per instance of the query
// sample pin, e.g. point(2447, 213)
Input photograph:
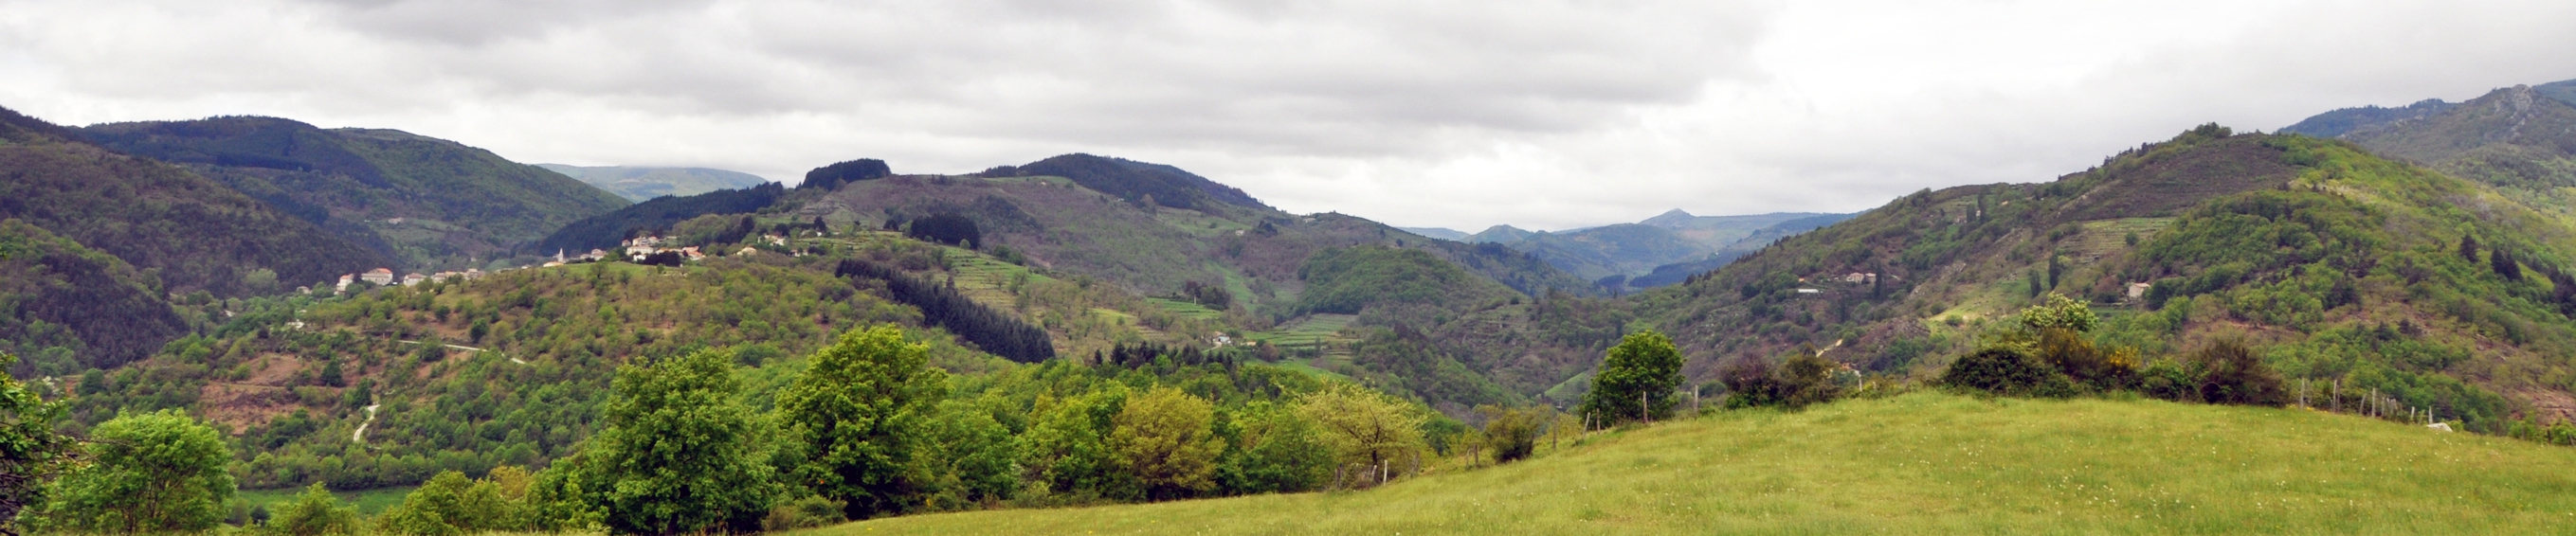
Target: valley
point(1085, 343)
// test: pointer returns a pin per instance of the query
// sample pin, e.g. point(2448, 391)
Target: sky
point(1452, 113)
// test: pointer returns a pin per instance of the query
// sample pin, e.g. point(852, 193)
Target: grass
point(1918, 463)
point(369, 501)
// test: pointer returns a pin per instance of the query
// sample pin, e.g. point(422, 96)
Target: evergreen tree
point(860, 410)
point(680, 454)
point(1636, 380)
point(2469, 248)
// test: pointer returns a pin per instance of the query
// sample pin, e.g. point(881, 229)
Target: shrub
point(2170, 380)
point(1749, 384)
point(1513, 432)
point(1806, 378)
point(806, 513)
point(2232, 374)
point(2007, 371)
point(2086, 364)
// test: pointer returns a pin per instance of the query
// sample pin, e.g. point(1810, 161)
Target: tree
point(31, 454)
point(1637, 379)
point(315, 513)
point(150, 472)
point(449, 505)
point(2504, 265)
point(1068, 442)
point(972, 456)
point(1163, 438)
point(2468, 248)
point(2061, 312)
point(680, 454)
point(1275, 451)
point(859, 411)
point(1363, 428)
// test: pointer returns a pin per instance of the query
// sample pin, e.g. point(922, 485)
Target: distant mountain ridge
point(428, 203)
point(636, 184)
point(1675, 241)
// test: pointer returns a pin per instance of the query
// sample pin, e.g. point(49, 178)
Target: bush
point(2170, 380)
point(2085, 364)
point(2232, 374)
point(1749, 384)
point(1513, 432)
point(315, 513)
point(1807, 378)
point(2007, 371)
point(806, 513)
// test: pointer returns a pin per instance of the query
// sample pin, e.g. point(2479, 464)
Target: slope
point(1917, 464)
point(429, 203)
point(2510, 137)
point(66, 308)
point(188, 233)
point(637, 184)
point(2342, 266)
point(659, 214)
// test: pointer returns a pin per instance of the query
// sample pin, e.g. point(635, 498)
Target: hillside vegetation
point(428, 203)
point(186, 232)
point(1916, 464)
point(2352, 263)
point(66, 308)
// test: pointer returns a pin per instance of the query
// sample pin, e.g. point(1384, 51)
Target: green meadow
point(1911, 464)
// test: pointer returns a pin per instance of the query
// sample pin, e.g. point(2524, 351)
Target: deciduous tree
point(859, 411)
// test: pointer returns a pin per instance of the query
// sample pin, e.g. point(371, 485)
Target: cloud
point(1544, 114)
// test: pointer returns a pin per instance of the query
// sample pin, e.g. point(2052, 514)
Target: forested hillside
point(2345, 267)
point(651, 216)
point(428, 203)
point(185, 232)
point(65, 308)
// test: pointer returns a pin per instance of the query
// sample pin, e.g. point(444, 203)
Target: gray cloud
point(1545, 114)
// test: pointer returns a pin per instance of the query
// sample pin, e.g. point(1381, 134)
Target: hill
point(67, 308)
point(637, 184)
point(183, 231)
point(1442, 233)
point(1136, 182)
point(2346, 266)
point(657, 215)
point(428, 203)
point(1916, 464)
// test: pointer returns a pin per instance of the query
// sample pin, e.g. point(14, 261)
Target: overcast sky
point(1545, 115)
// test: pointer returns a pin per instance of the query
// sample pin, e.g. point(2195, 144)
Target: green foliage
point(2059, 312)
point(1346, 280)
point(680, 453)
point(2232, 374)
point(32, 454)
point(805, 513)
point(969, 457)
point(1364, 430)
point(859, 411)
point(148, 472)
point(1275, 450)
point(456, 202)
point(71, 308)
point(1513, 433)
point(2006, 371)
point(315, 513)
point(1637, 380)
point(449, 505)
point(1164, 440)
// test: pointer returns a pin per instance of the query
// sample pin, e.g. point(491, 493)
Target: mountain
point(184, 232)
point(637, 184)
point(427, 203)
point(1135, 182)
point(1674, 242)
point(656, 216)
point(1442, 233)
point(2347, 266)
point(1499, 234)
point(2345, 121)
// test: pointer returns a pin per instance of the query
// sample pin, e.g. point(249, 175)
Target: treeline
point(942, 305)
point(1135, 182)
point(866, 428)
point(659, 214)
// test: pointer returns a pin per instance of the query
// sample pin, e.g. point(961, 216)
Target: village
point(640, 249)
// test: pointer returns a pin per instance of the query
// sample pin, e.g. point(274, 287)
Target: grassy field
point(1919, 463)
point(369, 501)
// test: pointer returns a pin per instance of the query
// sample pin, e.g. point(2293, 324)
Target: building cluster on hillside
point(385, 277)
point(1860, 278)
